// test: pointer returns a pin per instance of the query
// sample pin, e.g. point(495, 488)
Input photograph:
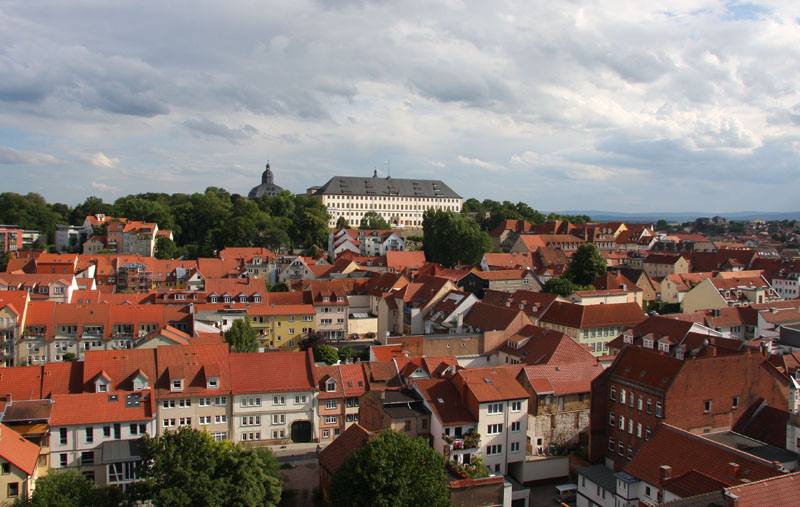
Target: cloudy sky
point(601, 105)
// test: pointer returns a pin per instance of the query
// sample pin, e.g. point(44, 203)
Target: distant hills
point(687, 216)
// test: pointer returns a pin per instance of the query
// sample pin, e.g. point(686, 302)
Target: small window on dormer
point(226, 299)
point(330, 386)
point(339, 299)
point(176, 384)
point(212, 383)
point(325, 299)
point(243, 298)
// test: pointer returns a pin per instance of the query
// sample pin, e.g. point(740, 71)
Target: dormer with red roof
point(103, 383)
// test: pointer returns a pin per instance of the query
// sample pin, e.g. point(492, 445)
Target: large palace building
point(400, 202)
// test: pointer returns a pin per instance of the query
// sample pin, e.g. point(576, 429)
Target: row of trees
point(188, 468)
point(489, 214)
point(202, 223)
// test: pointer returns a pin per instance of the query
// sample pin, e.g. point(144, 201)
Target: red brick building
point(643, 389)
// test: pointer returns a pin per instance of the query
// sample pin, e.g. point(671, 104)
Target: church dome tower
point(267, 186)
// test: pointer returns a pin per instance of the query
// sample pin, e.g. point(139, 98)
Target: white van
point(565, 493)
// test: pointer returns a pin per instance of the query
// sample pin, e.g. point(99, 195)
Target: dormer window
point(330, 386)
point(242, 298)
point(647, 343)
point(212, 299)
point(176, 385)
point(326, 299)
point(212, 383)
point(339, 299)
point(226, 299)
point(257, 298)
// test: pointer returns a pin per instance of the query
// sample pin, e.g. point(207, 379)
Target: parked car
point(354, 336)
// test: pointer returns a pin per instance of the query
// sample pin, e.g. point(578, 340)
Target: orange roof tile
point(17, 450)
point(271, 372)
point(98, 408)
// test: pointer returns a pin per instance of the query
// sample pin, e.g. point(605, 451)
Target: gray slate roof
point(353, 185)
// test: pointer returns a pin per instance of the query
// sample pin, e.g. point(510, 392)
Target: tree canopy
point(241, 337)
point(489, 214)
point(451, 239)
point(586, 265)
point(326, 353)
point(373, 221)
point(188, 468)
point(70, 488)
point(165, 248)
point(201, 223)
point(391, 470)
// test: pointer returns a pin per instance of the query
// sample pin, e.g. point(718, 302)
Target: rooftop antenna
point(388, 171)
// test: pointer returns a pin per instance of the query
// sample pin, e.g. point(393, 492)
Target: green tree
point(452, 239)
point(241, 337)
point(4, 258)
point(373, 221)
point(69, 357)
point(326, 353)
point(341, 223)
point(70, 488)
point(279, 287)
point(586, 265)
point(346, 353)
point(166, 248)
point(188, 468)
point(559, 286)
point(391, 470)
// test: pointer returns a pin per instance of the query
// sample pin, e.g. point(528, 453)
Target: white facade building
point(401, 202)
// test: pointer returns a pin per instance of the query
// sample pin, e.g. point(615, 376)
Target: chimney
point(664, 472)
point(730, 500)
point(460, 323)
point(733, 469)
point(765, 349)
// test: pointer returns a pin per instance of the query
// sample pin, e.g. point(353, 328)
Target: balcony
point(461, 442)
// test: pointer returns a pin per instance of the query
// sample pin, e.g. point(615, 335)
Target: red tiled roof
point(271, 372)
point(564, 378)
point(547, 346)
point(780, 490)
point(502, 274)
point(502, 383)
point(646, 368)
point(592, 316)
point(190, 359)
point(490, 317)
point(401, 260)
point(121, 366)
point(444, 399)
point(692, 483)
point(98, 408)
point(386, 352)
point(22, 382)
point(333, 455)
point(62, 378)
point(684, 452)
point(22, 453)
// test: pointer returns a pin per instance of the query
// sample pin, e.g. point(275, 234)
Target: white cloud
point(565, 105)
point(13, 156)
point(101, 161)
point(102, 186)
